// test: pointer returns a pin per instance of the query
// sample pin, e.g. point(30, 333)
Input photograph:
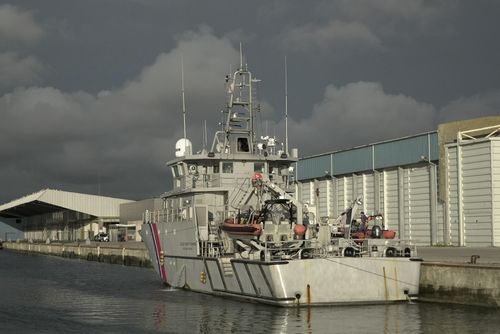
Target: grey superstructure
point(231, 226)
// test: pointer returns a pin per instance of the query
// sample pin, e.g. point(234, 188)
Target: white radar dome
point(182, 147)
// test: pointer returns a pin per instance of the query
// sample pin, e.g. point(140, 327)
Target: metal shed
point(62, 215)
point(440, 187)
point(395, 178)
point(473, 188)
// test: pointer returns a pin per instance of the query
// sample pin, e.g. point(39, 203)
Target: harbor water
point(45, 294)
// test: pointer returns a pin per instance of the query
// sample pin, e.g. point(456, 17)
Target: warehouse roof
point(50, 200)
point(385, 154)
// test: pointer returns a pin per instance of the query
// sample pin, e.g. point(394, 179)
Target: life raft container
point(385, 234)
point(232, 228)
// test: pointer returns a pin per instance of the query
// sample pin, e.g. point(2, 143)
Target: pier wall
point(461, 283)
point(113, 255)
point(468, 284)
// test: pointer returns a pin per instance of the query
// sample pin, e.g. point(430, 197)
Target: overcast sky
point(90, 90)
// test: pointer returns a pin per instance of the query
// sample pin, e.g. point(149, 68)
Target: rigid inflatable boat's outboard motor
point(376, 232)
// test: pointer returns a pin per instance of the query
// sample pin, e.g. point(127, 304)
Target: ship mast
point(239, 128)
point(286, 108)
point(183, 101)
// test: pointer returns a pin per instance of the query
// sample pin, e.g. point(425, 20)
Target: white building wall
point(419, 205)
point(452, 205)
point(340, 189)
point(381, 196)
point(330, 199)
point(412, 190)
point(495, 177)
point(306, 192)
point(312, 193)
point(477, 196)
point(408, 196)
point(357, 186)
point(474, 174)
point(368, 193)
point(348, 195)
point(406, 233)
point(440, 222)
point(391, 202)
point(323, 197)
point(441, 210)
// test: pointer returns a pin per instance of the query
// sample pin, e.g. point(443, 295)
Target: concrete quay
point(448, 274)
point(126, 253)
point(461, 275)
point(461, 255)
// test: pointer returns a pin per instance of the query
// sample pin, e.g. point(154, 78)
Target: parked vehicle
point(102, 237)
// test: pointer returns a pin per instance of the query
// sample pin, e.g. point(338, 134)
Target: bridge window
point(258, 167)
point(175, 171)
point(227, 167)
point(243, 145)
point(180, 168)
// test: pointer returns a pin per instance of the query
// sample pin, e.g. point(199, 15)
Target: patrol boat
point(232, 226)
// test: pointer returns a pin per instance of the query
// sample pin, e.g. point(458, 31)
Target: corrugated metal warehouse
point(62, 215)
point(440, 187)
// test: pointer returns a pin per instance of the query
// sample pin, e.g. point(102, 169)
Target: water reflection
point(205, 314)
point(49, 294)
point(216, 315)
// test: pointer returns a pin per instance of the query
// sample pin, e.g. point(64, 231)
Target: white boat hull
point(324, 281)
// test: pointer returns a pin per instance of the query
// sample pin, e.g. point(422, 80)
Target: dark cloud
point(357, 114)
point(90, 100)
point(15, 70)
point(484, 104)
point(335, 33)
point(80, 138)
point(18, 25)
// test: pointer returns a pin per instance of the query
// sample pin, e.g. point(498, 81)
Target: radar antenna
point(183, 99)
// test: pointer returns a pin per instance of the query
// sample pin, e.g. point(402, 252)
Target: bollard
point(473, 259)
